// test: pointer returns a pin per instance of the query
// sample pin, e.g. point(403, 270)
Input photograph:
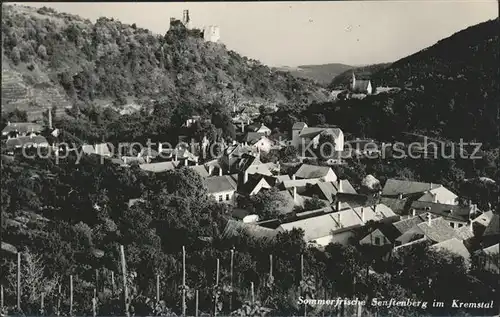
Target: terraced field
point(35, 99)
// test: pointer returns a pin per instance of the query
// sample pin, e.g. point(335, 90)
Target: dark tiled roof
point(252, 182)
point(217, 184)
point(455, 212)
point(406, 224)
point(307, 171)
point(236, 228)
point(493, 227)
point(298, 126)
point(361, 85)
point(22, 127)
point(394, 187)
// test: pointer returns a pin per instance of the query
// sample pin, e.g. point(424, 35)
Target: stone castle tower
point(185, 19)
point(211, 33)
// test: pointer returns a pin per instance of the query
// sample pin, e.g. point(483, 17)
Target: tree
point(267, 203)
point(314, 203)
point(15, 55)
point(288, 154)
point(42, 52)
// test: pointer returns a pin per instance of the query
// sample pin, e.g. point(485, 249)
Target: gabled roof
point(464, 232)
point(438, 231)
point(493, 227)
point(159, 167)
point(454, 246)
point(455, 212)
point(252, 182)
point(442, 193)
point(307, 171)
point(491, 250)
point(22, 141)
point(299, 126)
point(259, 169)
point(22, 127)
point(327, 190)
point(394, 187)
point(406, 224)
point(361, 85)
point(346, 186)
point(235, 228)
point(399, 206)
point(484, 218)
point(217, 184)
point(290, 202)
point(298, 183)
point(310, 133)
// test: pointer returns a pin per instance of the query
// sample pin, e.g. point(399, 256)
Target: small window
point(452, 224)
point(220, 197)
point(377, 241)
point(227, 196)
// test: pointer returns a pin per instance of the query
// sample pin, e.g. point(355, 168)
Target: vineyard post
point(183, 281)
point(19, 281)
point(59, 299)
point(196, 304)
point(302, 267)
point(113, 283)
point(94, 302)
point(1, 297)
point(41, 303)
point(252, 293)
point(124, 273)
point(231, 278)
point(216, 300)
point(271, 265)
point(97, 279)
point(158, 288)
point(71, 295)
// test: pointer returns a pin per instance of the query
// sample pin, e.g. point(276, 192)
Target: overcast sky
point(299, 33)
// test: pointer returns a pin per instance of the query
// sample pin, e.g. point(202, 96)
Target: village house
point(489, 258)
point(382, 235)
point(361, 86)
point(18, 129)
point(429, 192)
point(222, 188)
point(337, 227)
point(302, 136)
point(322, 173)
point(454, 246)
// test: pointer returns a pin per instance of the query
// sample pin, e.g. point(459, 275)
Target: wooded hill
point(53, 58)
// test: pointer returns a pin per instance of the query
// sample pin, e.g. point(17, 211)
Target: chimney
point(185, 162)
point(434, 197)
point(429, 219)
point(8, 122)
point(471, 227)
point(293, 177)
point(340, 186)
point(363, 215)
point(294, 194)
point(431, 186)
point(338, 220)
point(245, 177)
point(175, 157)
point(400, 196)
point(337, 207)
point(413, 212)
point(196, 163)
point(220, 171)
point(242, 126)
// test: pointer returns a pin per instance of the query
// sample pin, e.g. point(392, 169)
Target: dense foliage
point(69, 219)
point(110, 62)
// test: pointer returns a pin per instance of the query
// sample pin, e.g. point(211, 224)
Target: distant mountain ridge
point(108, 62)
point(322, 74)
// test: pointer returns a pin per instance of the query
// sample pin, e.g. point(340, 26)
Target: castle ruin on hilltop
point(210, 33)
